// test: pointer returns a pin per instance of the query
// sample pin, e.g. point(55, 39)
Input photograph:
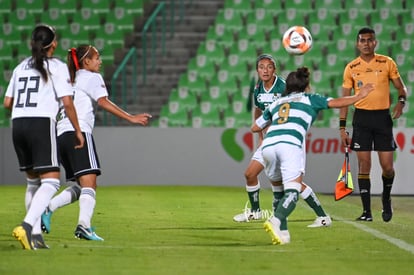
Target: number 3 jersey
point(291, 117)
point(32, 96)
point(89, 87)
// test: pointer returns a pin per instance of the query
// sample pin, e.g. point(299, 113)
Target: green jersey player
point(270, 87)
point(287, 121)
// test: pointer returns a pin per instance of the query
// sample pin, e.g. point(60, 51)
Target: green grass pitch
point(189, 230)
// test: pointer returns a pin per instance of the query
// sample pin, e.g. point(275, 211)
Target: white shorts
point(284, 162)
point(258, 156)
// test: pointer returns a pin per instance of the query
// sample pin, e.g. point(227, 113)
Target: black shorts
point(34, 140)
point(372, 130)
point(78, 162)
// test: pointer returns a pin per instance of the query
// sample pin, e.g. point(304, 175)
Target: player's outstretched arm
point(111, 107)
point(349, 100)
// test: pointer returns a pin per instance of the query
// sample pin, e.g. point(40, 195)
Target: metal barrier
point(151, 23)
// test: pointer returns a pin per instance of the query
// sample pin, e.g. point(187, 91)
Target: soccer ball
point(297, 40)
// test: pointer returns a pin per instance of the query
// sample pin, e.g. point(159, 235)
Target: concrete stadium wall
point(218, 156)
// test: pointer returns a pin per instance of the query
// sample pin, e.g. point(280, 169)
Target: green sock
point(314, 203)
point(278, 194)
point(253, 193)
point(286, 206)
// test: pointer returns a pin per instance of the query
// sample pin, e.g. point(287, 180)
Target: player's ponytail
point(42, 39)
point(75, 59)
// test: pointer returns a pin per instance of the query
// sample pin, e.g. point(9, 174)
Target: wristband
point(342, 123)
point(402, 99)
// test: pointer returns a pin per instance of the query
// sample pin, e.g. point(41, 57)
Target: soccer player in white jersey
point(269, 87)
point(37, 86)
point(83, 165)
point(289, 118)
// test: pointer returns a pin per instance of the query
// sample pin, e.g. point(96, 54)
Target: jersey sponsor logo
point(355, 65)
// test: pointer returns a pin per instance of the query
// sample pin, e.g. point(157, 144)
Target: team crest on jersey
point(266, 98)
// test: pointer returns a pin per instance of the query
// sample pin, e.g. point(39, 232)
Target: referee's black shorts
point(34, 140)
point(372, 130)
point(78, 162)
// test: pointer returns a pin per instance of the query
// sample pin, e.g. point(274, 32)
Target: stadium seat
point(247, 53)
point(5, 8)
point(228, 19)
point(358, 8)
point(261, 19)
point(204, 116)
point(22, 21)
point(120, 20)
point(271, 6)
point(216, 96)
point(178, 119)
point(101, 7)
point(67, 7)
point(383, 17)
point(241, 7)
point(211, 51)
point(132, 7)
point(237, 120)
point(56, 18)
point(203, 66)
point(193, 83)
point(333, 6)
point(221, 35)
point(31, 6)
point(226, 79)
point(87, 20)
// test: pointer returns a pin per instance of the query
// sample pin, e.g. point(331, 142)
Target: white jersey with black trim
point(32, 96)
point(89, 87)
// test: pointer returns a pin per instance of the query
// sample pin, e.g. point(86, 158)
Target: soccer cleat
point(321, 222)
point(272, 226)
point(23, 234)
point(86, 233)
point(45, 220)
point(365, 217)
point(386, 210)
point(249, 215)
point(38, 242)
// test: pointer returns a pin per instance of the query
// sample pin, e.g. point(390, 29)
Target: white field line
point(394, 241)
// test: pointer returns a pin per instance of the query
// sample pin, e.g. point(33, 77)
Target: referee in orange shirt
point(372, 122)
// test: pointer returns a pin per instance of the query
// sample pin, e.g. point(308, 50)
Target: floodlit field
point(189, 230)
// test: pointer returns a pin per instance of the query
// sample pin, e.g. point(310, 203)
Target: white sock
point(32, 186)
point(41, 199)
point(67, 196)
point(87, 201)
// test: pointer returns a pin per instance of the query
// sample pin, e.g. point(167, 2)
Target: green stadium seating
point(203, 66)
point(237, 120)
point(131, 7)
point(204, 116)
point(262, 19)
point(223, 37)
point(56, 18)
point(271, 6)
point(240, 7)
point(31, 6)
point(230, 20)
point(120, 20)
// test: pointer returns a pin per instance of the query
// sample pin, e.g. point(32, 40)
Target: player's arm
point(402, 96)
point(347, 100)
point(111, 107)
point(70, 112)
point(8, 102)
point(257, 113)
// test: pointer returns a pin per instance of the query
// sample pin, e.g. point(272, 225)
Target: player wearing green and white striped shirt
point(288, 119)
point(269, 88)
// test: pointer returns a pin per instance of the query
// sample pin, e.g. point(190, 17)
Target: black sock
point(387, 182)
point(364, 183)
